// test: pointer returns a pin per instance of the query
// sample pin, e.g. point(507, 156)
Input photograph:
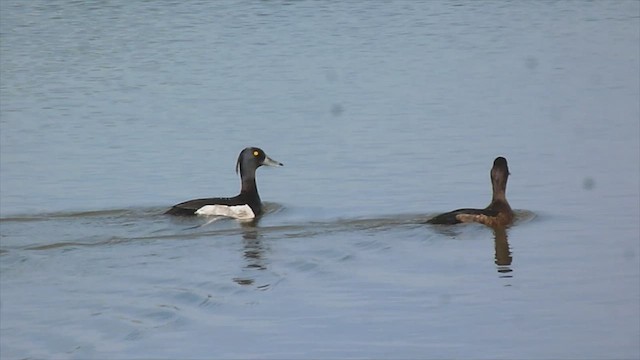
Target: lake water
point(384, 114)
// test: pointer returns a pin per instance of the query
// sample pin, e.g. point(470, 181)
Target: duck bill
point(270, 162)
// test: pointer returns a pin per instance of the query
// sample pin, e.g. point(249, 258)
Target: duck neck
point(499, 191)
point(498, 196)
point(249, 183)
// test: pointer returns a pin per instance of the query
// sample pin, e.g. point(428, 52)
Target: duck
point(497, 214)
point(246, 205)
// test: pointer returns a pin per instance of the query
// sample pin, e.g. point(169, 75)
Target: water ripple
point(147, 224)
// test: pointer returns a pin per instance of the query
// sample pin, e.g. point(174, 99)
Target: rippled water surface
point(384, 114)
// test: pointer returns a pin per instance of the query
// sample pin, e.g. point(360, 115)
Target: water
point(384, 114)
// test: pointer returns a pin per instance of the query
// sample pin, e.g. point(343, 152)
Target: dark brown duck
point(498, 213)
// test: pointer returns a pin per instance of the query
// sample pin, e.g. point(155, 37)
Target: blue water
point(384, 114)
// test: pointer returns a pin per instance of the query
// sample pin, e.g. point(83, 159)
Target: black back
point(189, 208)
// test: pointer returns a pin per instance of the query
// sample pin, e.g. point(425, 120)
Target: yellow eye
point(256, 153)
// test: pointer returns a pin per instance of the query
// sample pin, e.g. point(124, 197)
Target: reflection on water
point(503, 256)
point(250, 233)
point(253, 253)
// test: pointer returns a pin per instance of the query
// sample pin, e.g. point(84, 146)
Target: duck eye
point(256, 153)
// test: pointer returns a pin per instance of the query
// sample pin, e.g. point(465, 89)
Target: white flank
point(241, 212)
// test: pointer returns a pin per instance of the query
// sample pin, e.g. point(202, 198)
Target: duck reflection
point(253, 248)
point(253, 254)
point(503, 257)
